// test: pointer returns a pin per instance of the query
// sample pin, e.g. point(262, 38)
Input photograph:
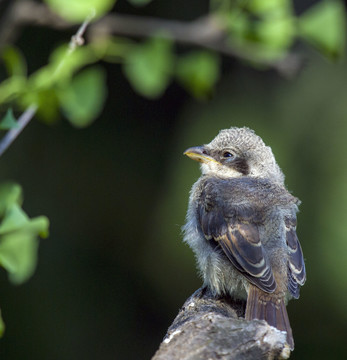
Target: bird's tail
point(272, 309)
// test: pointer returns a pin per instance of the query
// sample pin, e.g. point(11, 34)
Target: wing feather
point(296, 264)
point(239, 238)
point(230, 214)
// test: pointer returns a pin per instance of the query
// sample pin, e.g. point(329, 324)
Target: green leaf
point(47, 101)
point(62, 65)
point(14, 61)
point(42, 86)
point(237, 23)
point(10, 194)
point(12, 87)
point(79, 10)
point(139, 2)
point(18, 235)
point(198, 72)
point(8, 121)
point(277, 33)
point(269, 7)
point(15, 219)
point(262, 39)
point(82, 100)
point(324, 26)
point(149, 67)
point(18, 255)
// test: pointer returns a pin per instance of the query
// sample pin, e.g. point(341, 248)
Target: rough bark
point(214, 328)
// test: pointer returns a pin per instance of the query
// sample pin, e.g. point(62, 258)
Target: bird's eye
point(228, 154)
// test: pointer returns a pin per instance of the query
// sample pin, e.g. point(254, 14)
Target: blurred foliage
point(18, 236)
point(14, 62)
point(260, 32)
point(330, 16)
point(265, 30)
point(148, 66)
point(83, 100)
point(198, 71)
point(79, 10)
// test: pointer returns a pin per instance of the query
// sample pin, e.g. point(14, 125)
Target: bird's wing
point(235, 229)
point(296, 264)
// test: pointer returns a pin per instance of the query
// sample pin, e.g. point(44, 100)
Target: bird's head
point(237, 152)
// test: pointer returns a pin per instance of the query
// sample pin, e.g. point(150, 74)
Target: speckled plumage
point(241, 226)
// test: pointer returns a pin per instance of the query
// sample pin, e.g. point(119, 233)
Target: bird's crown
point(250, 148)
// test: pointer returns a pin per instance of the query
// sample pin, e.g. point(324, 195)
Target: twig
point(76, 40)
point(22, 122)
point(11, 135)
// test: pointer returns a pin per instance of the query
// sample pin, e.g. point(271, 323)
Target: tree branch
point(22, 122)
point(214, 328)
point(27, 12)
point(208, 32)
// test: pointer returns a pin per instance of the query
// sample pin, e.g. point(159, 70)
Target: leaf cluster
point(267, 29)
point(260, 32)
point(18, 236)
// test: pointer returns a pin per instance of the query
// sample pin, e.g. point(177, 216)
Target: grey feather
point(241, 222)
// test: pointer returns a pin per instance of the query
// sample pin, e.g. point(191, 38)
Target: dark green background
point(114, 271)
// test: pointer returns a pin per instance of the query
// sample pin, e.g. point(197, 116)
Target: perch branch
point(214, 328)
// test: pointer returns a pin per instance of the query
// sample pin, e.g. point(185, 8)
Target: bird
point(241, 225)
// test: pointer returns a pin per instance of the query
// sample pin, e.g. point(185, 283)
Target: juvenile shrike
point(241, 225)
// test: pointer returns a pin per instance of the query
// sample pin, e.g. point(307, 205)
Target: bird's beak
point(199, 153)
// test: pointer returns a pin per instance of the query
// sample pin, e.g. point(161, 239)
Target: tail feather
point(272, 309)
